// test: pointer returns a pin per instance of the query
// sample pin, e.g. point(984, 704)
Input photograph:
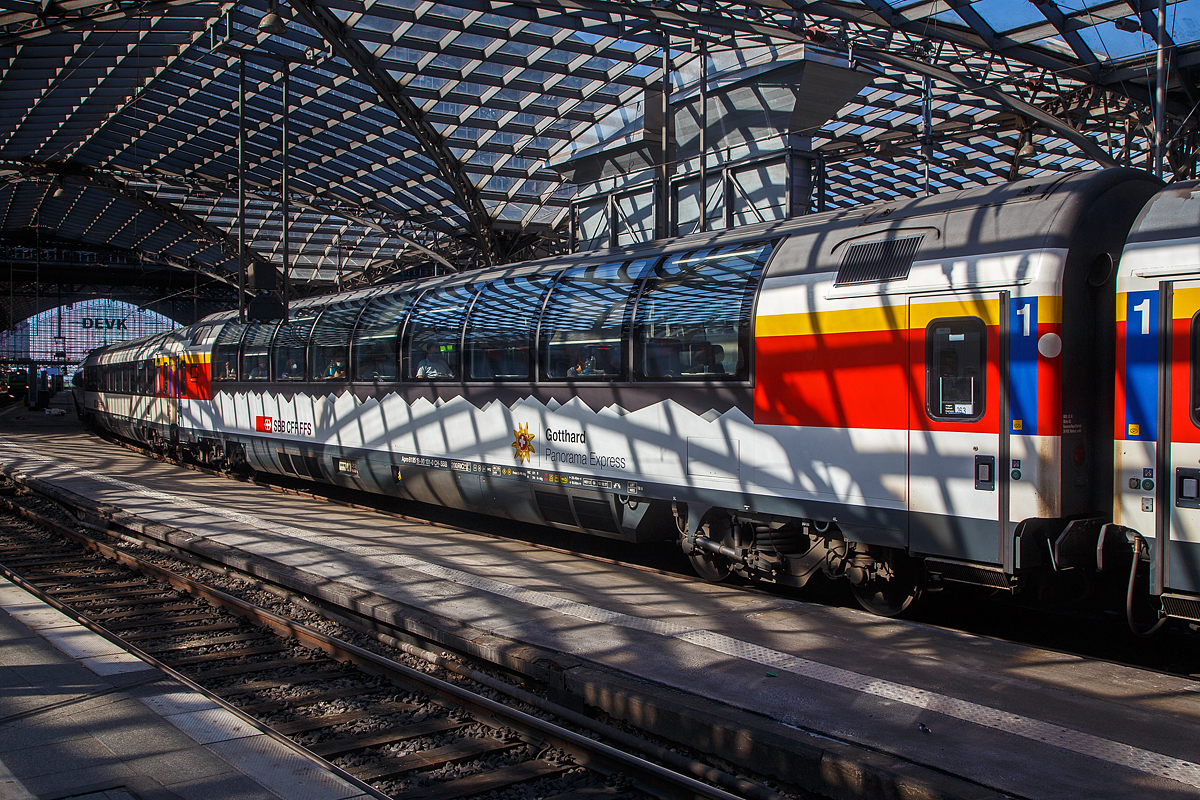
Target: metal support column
point(664, 173)
point(241, 250)
point(1160, 90)
point(703, 135)
point(283, 188)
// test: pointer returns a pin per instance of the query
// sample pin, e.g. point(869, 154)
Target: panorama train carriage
point(1157, 409)
point(913, 388)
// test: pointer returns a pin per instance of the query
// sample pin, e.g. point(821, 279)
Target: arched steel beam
point(1053, 123)
point(693, 20)
point(21, 23)
point(111, 185)
point(384, 229)
point(366, 65)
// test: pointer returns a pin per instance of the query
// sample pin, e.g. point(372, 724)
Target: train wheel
point(896, 594)
point(712, 568)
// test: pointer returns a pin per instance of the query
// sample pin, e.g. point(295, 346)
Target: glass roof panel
point(1005, 15)
point(1183, 22)
point(474, 149)
point(1111, 44)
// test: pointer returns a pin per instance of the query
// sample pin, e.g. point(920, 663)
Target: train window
point(376, 340)
point(499, 333)
point(256, 348)
point(330, 349)
point(955, 362)
point(582, 326)
point(201, 334)
point(225, 352)
point(289, 348)
point(436, 325)
point(693, 317)
point(1194, 364)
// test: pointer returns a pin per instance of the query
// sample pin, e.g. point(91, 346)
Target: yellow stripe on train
point(893, 318)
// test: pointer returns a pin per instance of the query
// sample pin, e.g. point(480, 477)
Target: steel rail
point(588, 753)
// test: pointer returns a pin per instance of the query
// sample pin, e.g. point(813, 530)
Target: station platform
point(838, 700)
point(81, 718)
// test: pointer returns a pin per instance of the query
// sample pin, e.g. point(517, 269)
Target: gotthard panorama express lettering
point(588, 458)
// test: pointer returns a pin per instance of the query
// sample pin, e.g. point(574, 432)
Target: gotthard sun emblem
point(522, 443)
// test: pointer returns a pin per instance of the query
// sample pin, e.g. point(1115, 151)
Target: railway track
point(389, 726)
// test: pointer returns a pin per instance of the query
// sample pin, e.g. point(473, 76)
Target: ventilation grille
point(304, 466)
point(555, 508)
point(872, 262)
point(1183, 607)
point(595, 515)
point(968, 573)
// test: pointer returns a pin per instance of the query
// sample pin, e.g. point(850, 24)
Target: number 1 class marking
point(1143, 308)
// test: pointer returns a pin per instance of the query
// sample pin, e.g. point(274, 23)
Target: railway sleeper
point(422, 760)
point(495, 780)
point(350, 744)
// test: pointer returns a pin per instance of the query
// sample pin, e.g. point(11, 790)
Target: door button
point(985, 473)
point(1187, 487)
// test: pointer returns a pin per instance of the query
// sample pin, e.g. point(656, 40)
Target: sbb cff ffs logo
point(264, 424)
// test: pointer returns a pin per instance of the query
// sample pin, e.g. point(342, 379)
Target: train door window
point(499, 332)
point(1194, 364)
point(377, 338)
point(225, 352)
point(256, 351)
point(582, 327)
point(955, 363)
point(693, 316)
point(289, 348)
point(436, 327)
point(330, 347)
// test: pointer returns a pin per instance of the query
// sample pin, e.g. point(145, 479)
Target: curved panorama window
point(435, 326)
point(289, 349)
point(256, 348)
point(330, 350)
point(693, 317)
point(582, 327)
point(226, 352)
point(377, 338)
point(499, 335)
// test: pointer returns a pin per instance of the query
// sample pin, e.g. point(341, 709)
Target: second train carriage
point(908, 388)
point(1156, 428)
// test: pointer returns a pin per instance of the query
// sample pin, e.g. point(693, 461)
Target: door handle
point(985, 473)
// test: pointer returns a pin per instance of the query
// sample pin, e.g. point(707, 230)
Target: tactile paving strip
point(1135, 758)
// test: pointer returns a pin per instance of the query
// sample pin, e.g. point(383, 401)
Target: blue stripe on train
point(1022, 364)
point(1141, 366)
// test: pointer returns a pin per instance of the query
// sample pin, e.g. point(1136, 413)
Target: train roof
point(1174, 213)
point(1020, 215)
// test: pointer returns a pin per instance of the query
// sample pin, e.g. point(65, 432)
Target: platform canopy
point(420, 132)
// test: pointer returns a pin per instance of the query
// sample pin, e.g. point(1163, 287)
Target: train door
point(958, 450)
point(1162, 419)
point(174, 388)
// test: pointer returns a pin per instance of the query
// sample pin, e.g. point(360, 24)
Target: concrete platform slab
point(81, 718)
